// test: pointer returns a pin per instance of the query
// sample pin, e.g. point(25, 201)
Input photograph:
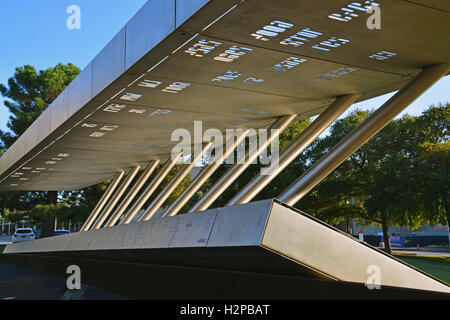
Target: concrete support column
point(173, 184)
point(233, 173)
point(116, 197)
point(291, 152)
point(133, 192)
point(206, 172)
point(364, 132)
point(90, 220)
point(140, 202)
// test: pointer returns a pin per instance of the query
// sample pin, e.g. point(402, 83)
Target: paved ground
point(18, 282)
point(423, 252)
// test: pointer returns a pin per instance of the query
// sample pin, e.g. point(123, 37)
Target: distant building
point(427, 235)
point(436, 230)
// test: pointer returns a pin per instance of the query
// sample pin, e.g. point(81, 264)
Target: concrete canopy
point(228, 63)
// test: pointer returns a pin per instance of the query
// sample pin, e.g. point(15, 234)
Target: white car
point(23, 234)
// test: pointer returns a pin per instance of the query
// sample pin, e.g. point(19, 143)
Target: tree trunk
point(342, 226)
point(349, 227)
point(386, 237)
point(448, 226)
point(52, 197)
point(48, 224)
point(47, 227)
point(447, 212)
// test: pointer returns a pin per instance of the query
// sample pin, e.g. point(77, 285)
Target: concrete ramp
point(260, 237)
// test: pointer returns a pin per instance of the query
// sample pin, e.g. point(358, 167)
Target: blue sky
point(34, 32)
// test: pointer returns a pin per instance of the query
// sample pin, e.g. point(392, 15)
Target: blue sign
point(396, 241)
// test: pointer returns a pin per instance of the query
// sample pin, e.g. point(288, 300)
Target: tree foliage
point(29, 93)
point(399, 177)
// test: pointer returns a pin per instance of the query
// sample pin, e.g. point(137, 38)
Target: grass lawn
point(438, 267)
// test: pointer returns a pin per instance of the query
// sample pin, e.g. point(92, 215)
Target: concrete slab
point(277, 235)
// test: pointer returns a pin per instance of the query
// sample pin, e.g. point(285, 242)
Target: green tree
point(16, 216)
point(432, 162)
point(45, 216)
point(435, 196)
point(28, 93)
point(411, 181)
point(399, 177)
point(340, 195)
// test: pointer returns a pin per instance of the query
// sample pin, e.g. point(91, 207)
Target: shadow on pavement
point(18, 282)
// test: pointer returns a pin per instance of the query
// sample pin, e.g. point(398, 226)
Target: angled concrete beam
point(140, 202)
point(114, 183)
point(364, 132)
point(206, 172)
point(291, 152)
point(133, 192)
point(261, 235)
point(116, 197)
point(234, 172)
point(173, 184)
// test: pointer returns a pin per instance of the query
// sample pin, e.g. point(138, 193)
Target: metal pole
point(102, 201)
point(133, 192)
point(173, 184)
point(234, 172)
point(116, 197)
point(150, 189)
point(291, 152)
point(359, 136)
point(206, 172)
